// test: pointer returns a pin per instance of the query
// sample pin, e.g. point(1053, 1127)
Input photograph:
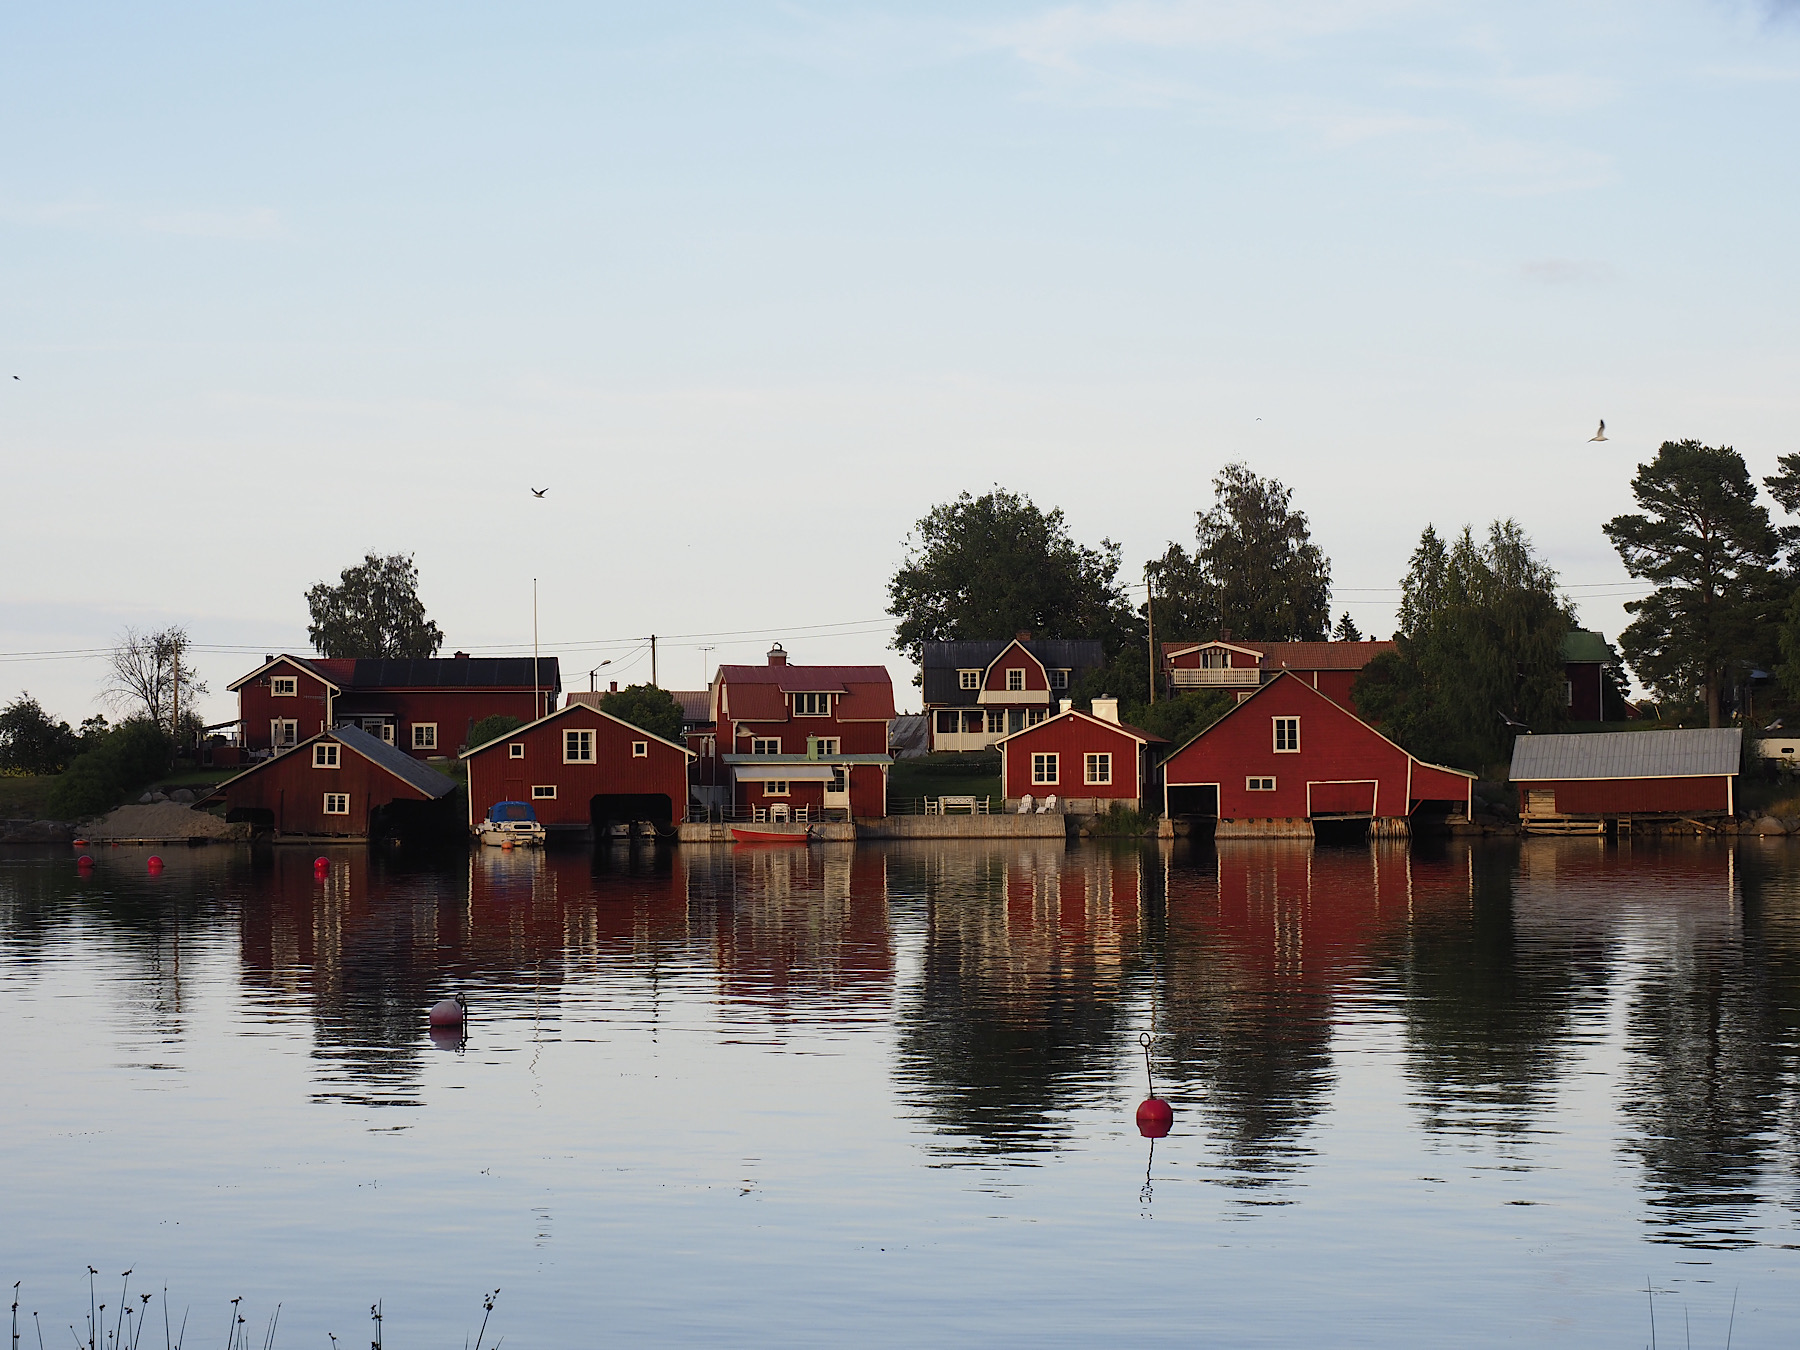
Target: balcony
point(1231, 677)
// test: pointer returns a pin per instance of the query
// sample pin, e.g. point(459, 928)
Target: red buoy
point(85, 863)
point(155, 864)
point(1155, 1118)
point(321, 864)
point(447, 1012)
point(80, 843)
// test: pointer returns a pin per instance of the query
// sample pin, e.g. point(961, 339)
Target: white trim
point(327, 754)
point(757, 741)
point(1087, 768)
point(1051, 760)
point(330, 810)
point(543, 792)
point(811, 694)
point(588, 751)
point(291, 681)
point(416, 728)
point(640, 749)
point(297, 662)
point(1374, 797)
point(1275, 733)
point(277, 733)
point(564, 711)
point(1118, 727)
point(968, 679)
point(515, 749)
point(1254, 783)
point(1201, 646)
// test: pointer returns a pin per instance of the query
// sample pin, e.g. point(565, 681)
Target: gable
point(281, 666)
point(580, 717)
point(1014, 656)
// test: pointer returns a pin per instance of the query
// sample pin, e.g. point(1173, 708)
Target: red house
point(1287, 756)
point(1581, 784)
point(1087, 761)
point(814, 738)
point(580, 767)
point(975, 692)
point(424, 706)
point(1329, 667)
point(1586, 656)
point(337, 782)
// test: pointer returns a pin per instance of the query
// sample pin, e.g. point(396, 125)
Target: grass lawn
point(948, 774)
point(22, 798)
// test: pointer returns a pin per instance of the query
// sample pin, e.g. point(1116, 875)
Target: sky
point(750, 287)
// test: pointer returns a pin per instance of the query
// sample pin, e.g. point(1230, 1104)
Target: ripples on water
point(1424, 1096)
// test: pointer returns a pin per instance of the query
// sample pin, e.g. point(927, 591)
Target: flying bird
point(1599, 435)
point(538, 492)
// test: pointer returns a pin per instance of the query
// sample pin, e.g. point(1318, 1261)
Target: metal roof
point(1582, 645)
point(942, 660)
point(1628, 754)
point(396, 761)
point(453, 672)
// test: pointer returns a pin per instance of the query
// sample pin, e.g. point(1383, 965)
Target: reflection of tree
point(1711, 1033)
point(1492, 997)
point(1017, 1015)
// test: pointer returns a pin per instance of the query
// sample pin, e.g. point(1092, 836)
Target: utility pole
point(1150, 614)
point(175, 719)
point(703, 663)
point(537, 692)
point(653, 661)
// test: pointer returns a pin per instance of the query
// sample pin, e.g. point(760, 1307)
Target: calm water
point(879, 1096)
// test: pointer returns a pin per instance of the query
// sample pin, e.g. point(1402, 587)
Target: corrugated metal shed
point(1641, 754)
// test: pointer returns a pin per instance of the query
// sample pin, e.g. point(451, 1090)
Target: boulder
point(146, 799)
point(1768, 825)
point(182, 795)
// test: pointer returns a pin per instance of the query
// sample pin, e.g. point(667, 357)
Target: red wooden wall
point(1073, 738)
point(293, 791)
point(494, 776)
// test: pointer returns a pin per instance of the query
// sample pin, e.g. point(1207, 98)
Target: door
point(837, 791)
point(1340, 799)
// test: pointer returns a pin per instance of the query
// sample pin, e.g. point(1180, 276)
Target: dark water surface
point(883, 1095)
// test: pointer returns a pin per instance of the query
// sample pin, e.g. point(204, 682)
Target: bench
point(969, 805)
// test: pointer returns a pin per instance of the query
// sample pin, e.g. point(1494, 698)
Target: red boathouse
point(1087, 761)
point(580, 767)
point(1288, 757)
point(1581, 784)
point(336, 783)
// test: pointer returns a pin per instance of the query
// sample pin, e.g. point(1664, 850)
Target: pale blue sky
point(752, 286)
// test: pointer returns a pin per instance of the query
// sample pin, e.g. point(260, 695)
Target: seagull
point(1599, 435)
point(538, 492)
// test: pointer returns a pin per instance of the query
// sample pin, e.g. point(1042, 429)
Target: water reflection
point(1520, 992)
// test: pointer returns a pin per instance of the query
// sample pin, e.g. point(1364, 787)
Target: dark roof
point(396, 761)
point(1628, 754)
point(941, 661)
point(1583, 646)
point(451, 672)
point(759, 693)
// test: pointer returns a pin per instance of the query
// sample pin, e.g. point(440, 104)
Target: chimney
point(1106, 709)
point(1023, 635)
point(1224, 635)
point(612, 687)
point(777, 655)
point(1064, 704)
point(460, 656)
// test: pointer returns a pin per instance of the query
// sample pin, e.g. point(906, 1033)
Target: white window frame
point(284, 732)
point(1015, 679)
point(1281, 724)
point(996, 721)
point(640, 749)
point(968, 679)
point(1259, 783)
point(765, 745)
point(827, 745)
point(578, 745)
point(812, 705)
point(342, 807)
point(428, 730)
point(1045, 767)
point(515, 750)
point(284, 686)
point(325, 755)
point(1215, 658)
point(1035, 715)
point(543, 792)
point(1568, 693)
point(1092, 761)
point(775, 787)
point(1059, 679)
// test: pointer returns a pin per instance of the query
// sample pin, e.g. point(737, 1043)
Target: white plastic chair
point(1025, 805)
point(1049, 805)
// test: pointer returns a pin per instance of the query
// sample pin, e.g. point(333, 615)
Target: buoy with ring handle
point(1155, 1117)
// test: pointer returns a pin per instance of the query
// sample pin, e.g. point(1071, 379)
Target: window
point(640, 749)
point(968, 679)
point(1015, 678)
point(337, 803)
point(1035, 715)
point(1043, 768)
point(1568, 693)
point(283, 732)
point(1215, 658)
point(996, 720)
point(812, 705)
point(949, 722)
point(840, 781)
point(1099, 768)
point(1287, 735)
point(516, 750)
point(424, 735)
point(765, 745)
point(578, 747)
point(325, 755)
point(1259, 784)
point(285, 686)
point(543, 792)
point(826, 745)
point(1059, 679)
point(775, 787)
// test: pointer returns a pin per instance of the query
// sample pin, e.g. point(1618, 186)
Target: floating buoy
point(447, 1012)
point(321, 864)
point(155, 864)
point(1155, 1118)
point(506, 845)
point(85, 863)
point(80, 843)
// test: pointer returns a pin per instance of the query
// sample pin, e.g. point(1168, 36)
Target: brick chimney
point(612, 687)
point(460, 656)
point(1106, 709)
point(777, 655)
point(1224, 635)
point(1023, 635)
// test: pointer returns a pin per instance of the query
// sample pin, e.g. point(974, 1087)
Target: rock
point(159, 796)
point(182, 795)
point(1768, 825)
point(36, 832)
point(145, 800)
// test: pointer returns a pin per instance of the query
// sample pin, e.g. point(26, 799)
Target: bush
point(493, 728)
point(646, 706)
point(122, 762)
point(33, 742)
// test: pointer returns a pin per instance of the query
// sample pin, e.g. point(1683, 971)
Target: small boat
point(782, 833)
point(513, 823)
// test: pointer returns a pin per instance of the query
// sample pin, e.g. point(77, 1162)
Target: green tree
point(995, 565)
point(126, 759)
point(1346, 630)
point(1709, 546)
point(150, 675)
point(31, 741)
point(1481, 653)
point(373, 611)
point(1254, 571)
point(492, 728)
point(646, 706)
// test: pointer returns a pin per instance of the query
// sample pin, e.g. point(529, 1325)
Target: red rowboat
point(749, 834)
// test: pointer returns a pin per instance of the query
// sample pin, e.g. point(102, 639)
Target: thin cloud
point(1058, 37)
point(1566, 272)
point(257, 223)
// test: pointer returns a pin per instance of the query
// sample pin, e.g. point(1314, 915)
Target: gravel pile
point(162, 820)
